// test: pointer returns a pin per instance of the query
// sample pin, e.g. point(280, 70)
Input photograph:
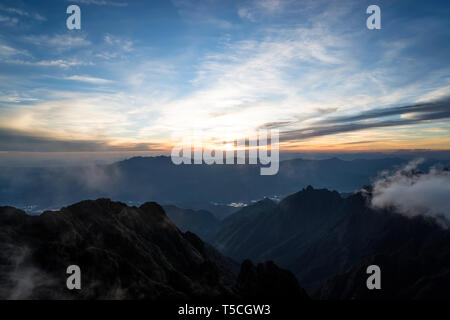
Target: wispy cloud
point(11, 140)
point(423, 112)
point(74, 115)
point(88, 79)
point(60, 42)
point(22, 13)
point(15, 98)
point(269, 5)
point(239, 88)
point(197, 12)
point(60, 63)
point(122, 44)
point(256, 9)
point(101, 3)
point(9, 21)
point(7, 51)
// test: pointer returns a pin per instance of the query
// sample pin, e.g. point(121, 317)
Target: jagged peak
point(152, 206)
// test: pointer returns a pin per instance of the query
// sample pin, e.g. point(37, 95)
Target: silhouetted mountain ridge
point(123, 252)
point(317, 234)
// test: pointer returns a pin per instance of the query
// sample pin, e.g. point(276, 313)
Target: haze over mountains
point(141, 179)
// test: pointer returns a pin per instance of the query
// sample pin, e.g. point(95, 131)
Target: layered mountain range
point(328, 241)
point(140, 179)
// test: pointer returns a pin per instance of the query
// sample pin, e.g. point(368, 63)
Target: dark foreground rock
point(124, 253)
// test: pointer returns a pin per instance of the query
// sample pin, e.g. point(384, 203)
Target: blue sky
point(140, 73)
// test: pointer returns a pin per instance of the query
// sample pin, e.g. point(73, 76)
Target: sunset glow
point(325, 84)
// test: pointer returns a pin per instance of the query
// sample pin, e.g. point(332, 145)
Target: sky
point(139, 75)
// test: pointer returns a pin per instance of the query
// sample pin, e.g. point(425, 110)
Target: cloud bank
point(413, 193)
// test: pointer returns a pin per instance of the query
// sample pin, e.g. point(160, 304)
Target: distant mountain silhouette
point(124, 253)
point(317, 234)
point(141, 179)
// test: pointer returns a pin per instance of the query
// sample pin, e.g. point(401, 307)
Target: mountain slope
point(301, 216)
point(416, 268)
point(200, 222)
point(123, 252)
point(317, 234)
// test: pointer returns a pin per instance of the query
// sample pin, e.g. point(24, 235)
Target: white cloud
point(7, 51)
point(14, 97)
point(272, 5)
point(88, 79)
point(72, 115)
point(436, 94)
point(8, 20)
point(201, 12)
point(256, 9)
point(61, 63)
point(246, 13)
point(13, 55)
point(22, 13)
point(123, 44)
point(241, 87)
point(60, 42)
point(412, 193)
